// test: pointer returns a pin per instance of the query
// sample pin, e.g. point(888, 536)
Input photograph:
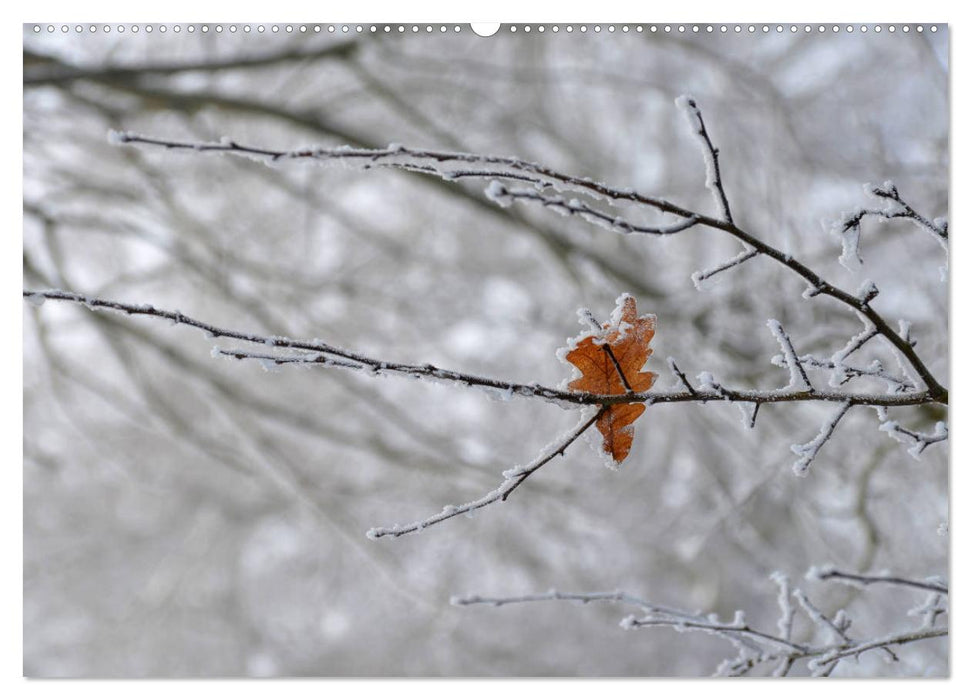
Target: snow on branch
point(445, 165)
point(713, 179)
point(757, 649)
point(807, 452)
point(672, 365)
point(459, 166)
point(896, 208)
point(505, 196)
point(917, 440)
point(798, 379)
point(512, 478)
point(702, 275)
point(828, 573)
point(786, 611)
point(849, 226)
point(320, 353)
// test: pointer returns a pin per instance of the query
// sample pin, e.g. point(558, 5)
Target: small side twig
point(807, 452)
point(798, 379)
point(714, 177)
point(504, 196)
point(864, 580)
point(757, 648)
point(588, 315)
point(681, 376)
point(918, 441)
point(702, 275)
point(898, 209)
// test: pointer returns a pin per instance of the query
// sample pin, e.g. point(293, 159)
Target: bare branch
point(322, 353)
point(757, 647)
point(713, 180)
point(881, 643)
point(798, 379)
point(702, 275)
point(505, 196)
point(807, 452)
point(680, 375)
point(897, 209)
point(844, 373)
point(864, 580)
point(918, 441)
point(512, 479)
point(45, 75)
point(447, 166)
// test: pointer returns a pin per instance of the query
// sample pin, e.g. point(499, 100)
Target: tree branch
point(447, 165)
point(756, 647)
point(512, 479)
point(860, 579)
point(323, 354)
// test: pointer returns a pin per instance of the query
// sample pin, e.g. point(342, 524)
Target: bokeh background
point(191, 516)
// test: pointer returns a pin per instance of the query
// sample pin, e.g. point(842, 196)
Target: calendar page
point(514, 350)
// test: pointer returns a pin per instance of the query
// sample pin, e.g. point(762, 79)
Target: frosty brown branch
point(450, 166)
point(512, 478)
point(897, 209)
point(826, 574)
point(757, 648)
point(321, 353)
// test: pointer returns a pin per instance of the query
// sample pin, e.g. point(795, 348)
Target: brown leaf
point(611, 362)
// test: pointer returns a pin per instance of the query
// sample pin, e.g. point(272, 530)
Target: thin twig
point(891, 640)
point(826, 574)
point(513, 478)
point(797, 373)
point(757, 646)
point(701, 276)
point(847, 372)
point(807, 452)
point(437, 163)
point(681, 376)
point(588, 315)
point(714, 177)
point(888, 191)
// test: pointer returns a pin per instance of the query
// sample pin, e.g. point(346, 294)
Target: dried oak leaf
point(606, 358)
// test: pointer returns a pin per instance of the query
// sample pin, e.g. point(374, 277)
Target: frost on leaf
point(610, 360)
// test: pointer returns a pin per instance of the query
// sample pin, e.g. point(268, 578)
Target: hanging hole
point(485, 28)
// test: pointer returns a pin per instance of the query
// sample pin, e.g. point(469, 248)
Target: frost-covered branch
point(807, 452)
point(798, 379)
point(703, 275)
point(885, 643)
point(449, 166)
point(896, 208)
point(842, 373)
point(505, 196)
point(318, 352)
point(758, 649)
point(713, 178)
point(828, 573)
point(681, 377)
point(919, 441)
point(457, 166)
point(512, 478)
